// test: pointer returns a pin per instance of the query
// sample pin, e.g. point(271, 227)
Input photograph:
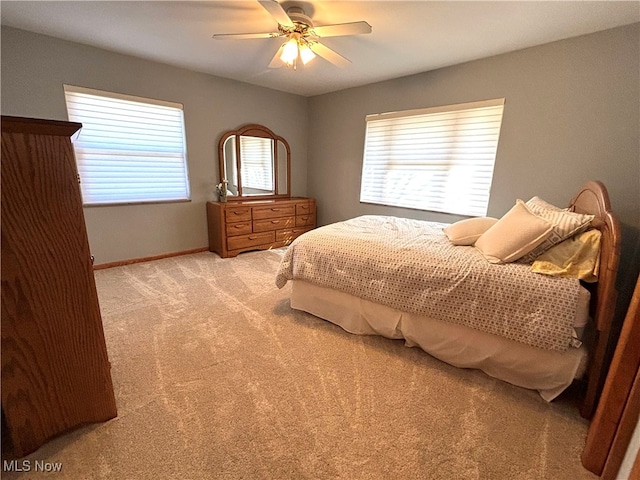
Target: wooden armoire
point(55, 371)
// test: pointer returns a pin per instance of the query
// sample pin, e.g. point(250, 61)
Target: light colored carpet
point(217, 378)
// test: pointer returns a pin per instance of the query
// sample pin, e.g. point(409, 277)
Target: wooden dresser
point(55, 371)
point(240, 226)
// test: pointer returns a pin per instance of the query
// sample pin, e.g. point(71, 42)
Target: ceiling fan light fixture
point(306, 54)
point(290, 51)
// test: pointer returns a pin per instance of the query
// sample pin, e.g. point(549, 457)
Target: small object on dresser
point(221, 189)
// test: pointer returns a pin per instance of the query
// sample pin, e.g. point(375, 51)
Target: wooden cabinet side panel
point(216, 226)
point(55, 369)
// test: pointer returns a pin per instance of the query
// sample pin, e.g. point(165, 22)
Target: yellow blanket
point(576, 257)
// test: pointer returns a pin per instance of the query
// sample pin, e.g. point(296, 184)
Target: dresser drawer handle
point(275, 222)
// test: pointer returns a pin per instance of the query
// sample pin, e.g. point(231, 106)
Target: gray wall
point(34, 68)
point(571, 114)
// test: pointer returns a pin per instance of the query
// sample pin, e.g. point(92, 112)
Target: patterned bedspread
point(411, 266)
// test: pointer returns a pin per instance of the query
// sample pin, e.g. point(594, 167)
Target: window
point(130, 149)
point(439, 159)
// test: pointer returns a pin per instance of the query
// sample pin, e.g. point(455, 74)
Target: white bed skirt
point(549, 372)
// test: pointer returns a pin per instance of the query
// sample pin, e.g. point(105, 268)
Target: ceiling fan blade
point(244, 36)
point(275, 61)
point(277, 12)
point(329, 55)
point(353, 28)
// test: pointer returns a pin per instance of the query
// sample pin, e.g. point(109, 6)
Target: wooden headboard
point(593, 198)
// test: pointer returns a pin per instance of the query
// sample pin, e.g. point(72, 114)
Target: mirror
point(255, 162)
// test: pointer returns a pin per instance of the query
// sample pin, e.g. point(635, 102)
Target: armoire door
point(55, 370)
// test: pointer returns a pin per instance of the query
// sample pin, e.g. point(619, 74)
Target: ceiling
point(407, 38)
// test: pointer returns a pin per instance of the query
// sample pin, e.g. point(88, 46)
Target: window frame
point(146, 150)
point(392, 158)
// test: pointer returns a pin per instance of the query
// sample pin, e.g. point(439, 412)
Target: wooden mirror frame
point(255, 130)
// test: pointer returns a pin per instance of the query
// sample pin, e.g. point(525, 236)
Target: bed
point(404, 279)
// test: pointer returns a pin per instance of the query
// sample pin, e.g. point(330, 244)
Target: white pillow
point(466, 232)
point(517, 233)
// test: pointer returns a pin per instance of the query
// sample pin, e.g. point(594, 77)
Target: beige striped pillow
point(565, 225)
point(536, 203)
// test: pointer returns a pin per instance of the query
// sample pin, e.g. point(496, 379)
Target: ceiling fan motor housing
point(297, 16)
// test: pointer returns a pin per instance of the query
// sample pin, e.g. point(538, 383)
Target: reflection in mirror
point(257, 166)
point(255, 162)
point(230, 165)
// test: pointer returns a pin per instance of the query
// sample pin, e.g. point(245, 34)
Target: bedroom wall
point(34, 68)
point(571, 114)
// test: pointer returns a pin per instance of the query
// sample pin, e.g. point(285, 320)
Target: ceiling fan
point(302, 37)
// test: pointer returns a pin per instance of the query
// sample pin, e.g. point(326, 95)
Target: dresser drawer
point(238, 228)
point(273, 212)
point(289, 234)
point(237, 214)
point(273, 224)
point(305, 208)
point(306, 220)
point(251, 240)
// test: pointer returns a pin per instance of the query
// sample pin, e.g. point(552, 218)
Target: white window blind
point(130, 149)
point(439, 159)
point(257, 164)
